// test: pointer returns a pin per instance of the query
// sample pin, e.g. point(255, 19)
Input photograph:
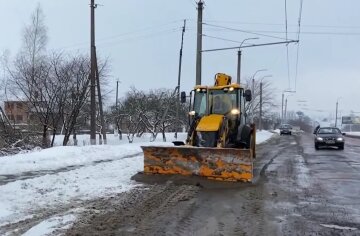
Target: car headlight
point(340, 139)
point(319, 139)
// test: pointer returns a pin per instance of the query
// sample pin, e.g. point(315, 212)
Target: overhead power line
point(325, 33)
point(289, 25)
point(298, 45)
point(287, 45)
point(125, 37)
point(244, 31)
point(223, 39)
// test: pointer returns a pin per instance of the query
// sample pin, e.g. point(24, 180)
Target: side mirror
point(248, 95)
point(343, 133)
point(314, 132)
point(183, 97)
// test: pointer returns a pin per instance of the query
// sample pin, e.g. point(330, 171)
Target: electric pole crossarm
point(251, 45)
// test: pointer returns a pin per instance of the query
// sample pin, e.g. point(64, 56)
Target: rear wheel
point(244, 136)
point(316, 147)
point(252, 145)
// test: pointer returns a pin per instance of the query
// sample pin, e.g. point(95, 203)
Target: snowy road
point(299, 191)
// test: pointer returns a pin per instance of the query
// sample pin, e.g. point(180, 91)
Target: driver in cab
point(220, 106)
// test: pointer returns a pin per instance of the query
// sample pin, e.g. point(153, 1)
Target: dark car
point(285, 129)
point(329, 137)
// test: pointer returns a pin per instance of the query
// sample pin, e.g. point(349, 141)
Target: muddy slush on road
point(286, 198)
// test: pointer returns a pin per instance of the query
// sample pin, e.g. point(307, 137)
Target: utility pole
point(179, 76)
point(117, 110)
point(199, 42)
point(92, 76)
point(260, 116)
point(238, 67)
point(285, 110)
point(337, 104)
point(102, 120)
point(282, 108)
point(252, 100)
point(117, 94)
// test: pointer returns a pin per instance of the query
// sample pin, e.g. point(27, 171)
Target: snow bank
point(262, 136)
point(85, 183)
point(61, 157)
point(101, 170)
point(48, 226)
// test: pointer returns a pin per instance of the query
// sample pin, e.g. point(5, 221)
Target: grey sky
point(142, 40)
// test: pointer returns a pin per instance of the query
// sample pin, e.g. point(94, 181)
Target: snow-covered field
point(59, 176)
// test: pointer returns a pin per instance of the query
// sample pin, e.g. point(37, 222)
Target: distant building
point(17, 112)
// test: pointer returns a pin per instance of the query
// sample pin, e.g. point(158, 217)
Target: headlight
point(319, 139)
point(235, 112)
point(340, 139)
point(192, 113)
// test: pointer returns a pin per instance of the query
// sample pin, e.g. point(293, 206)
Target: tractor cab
point(224, 98)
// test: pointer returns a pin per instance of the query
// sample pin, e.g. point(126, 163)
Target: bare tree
point(268, 99)
point(31, 69)
point(76, 72)
point(152, 112)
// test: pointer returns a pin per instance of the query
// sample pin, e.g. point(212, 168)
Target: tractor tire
point(244, 136)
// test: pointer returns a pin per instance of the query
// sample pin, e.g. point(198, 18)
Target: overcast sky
point(142, 39)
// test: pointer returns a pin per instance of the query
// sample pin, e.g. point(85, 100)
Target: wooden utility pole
point(199, 42)
point(117, 94)
point(336, 113)
point(102, 120)
point(179, 77)
point(285, 113)
point(92, 76)
point(282, 108)
point(260, 116)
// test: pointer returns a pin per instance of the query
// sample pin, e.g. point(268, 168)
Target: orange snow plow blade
point(223, 164)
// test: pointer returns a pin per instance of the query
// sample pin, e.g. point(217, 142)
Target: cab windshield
point(200, 102)
point(222, 101)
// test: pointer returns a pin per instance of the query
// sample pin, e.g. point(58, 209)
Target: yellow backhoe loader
point(220, 144)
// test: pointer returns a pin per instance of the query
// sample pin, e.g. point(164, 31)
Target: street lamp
point(239, 60)
point(282, 103)
point(336, 113)
point(253, 90)
point(286, 105)
point(260, 115)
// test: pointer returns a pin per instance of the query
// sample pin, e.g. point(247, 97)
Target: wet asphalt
point(296, 191)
